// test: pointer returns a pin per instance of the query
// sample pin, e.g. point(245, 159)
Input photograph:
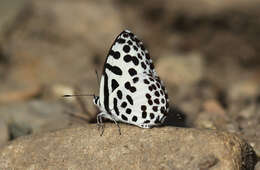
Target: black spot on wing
point(128, 111)
point(115, 106)
point(151, 66)
point(132, 72)
point(146, 81)
point(119, 94)
point(125, 34)
point(143, 108)
point(127, 58)
point(114, 69)
point(115, 54)
point(135, 80)
point(124, 117)
point(162, 100)
point(156, 93)
point(131, 35)
point(106, 94)
point(147, 56)
point(151, 79)
point(123, 105)
point(120, 40)
point(130, 42)
point(126, 48)
point(157, 120)
point(96, 99)
point(135, 60)
point(139, 56)
point(148, 96)
point(114, 84)
point(156, 101)
point(155, 108)
point(167, 104)
point(147, 121)
point(143, 65)
point(132, 89)
point(130, 100)
point(163, 111)
point(144, 114)
point(127, 85)
point(134, 118)
point(142, 47)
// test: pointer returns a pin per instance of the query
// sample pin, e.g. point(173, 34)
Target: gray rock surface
point(157, 148)
point(35, 116)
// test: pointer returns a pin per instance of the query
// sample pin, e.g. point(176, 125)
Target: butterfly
point(130, 89)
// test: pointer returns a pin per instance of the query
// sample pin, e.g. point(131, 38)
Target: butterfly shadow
point(176, 117)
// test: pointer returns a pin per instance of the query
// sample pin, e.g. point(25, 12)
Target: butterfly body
point(130, 89)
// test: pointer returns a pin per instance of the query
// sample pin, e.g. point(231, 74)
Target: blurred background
point(206, 52)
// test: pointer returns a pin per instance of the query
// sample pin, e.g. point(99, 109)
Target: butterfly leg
point(112, 118)
point(100, 123)
point(119, 130)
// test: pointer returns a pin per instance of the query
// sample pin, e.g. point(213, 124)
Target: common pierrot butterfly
point(130, 89)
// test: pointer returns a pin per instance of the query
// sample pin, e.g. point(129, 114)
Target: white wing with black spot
point(130, 89)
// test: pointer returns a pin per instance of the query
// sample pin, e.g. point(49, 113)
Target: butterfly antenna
point(76, 95)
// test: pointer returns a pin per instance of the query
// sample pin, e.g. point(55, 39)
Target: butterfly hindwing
point(145, 107)
point(130, 89)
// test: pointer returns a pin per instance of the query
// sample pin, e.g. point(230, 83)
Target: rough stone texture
point(180, 69)
point(157, 148)
point(33, 117)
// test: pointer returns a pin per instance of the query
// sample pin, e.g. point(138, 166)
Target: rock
point(34, 117)
point(212, 120)
point(190, 108)
point(4, 137)
point(176, 70)
point(249, 124)
point(157, 148)
point(212, 105)
point(214, 116)
point(244, 89)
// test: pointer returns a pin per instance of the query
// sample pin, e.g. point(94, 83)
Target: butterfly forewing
point(130, 89)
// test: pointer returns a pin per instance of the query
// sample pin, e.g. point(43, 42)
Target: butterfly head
point(96, 100)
